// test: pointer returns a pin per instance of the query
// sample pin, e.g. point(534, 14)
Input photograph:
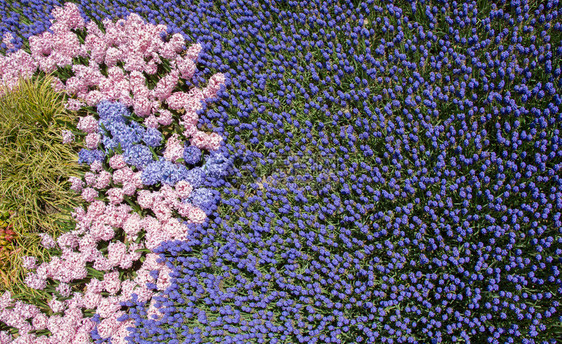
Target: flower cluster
point(396, 181)
point(117, 233)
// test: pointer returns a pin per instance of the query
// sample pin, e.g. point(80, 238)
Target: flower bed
point(377, 172)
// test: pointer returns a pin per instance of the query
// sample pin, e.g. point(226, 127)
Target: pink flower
point(196, 215)
point(69, 240)
point(122, 174)
point(7, 39)
point(96, 166)
point(166, 85)
point(183, 189)
point(33, 280)
point(74, 105)
point(107, 327)
point(77, 183)
point(92, 140)
point(56, 305)
point(102, 231)
point(112, 56)
point(108, 307)
point(117, 161)
point(145, 199)
point(116, 251)
point(47, 241)
point(67, 136)
point(88, 124)
point(194, 51)
point(151, 122)
point(63, 289)
point(102, 264)
point(91, 299)
point(115, 195)
point(89, 194)
point(112, 284)
point(29, 262)
point(186, 67)
point(103, 180)
point(174, 148)
point(90, 178)
point(166, 117)
point(39, 321)
point(68, 16)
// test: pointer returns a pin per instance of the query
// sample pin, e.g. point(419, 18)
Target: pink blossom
point(107, 327)
point(69, 240)
point(29, 262)
point(88, 124)
point(174, 148)
point(47, 241)
point(127, 261)
point(90, 178)
point(96, 166)
point(91, 299)
point(117, 161)
point(145, 199)
point(116, 251)
point(39, 321)
point(122, 174)
point(166, 117)
point(77, 183)
point(151, 122)
point(103, 180)
point(115, 195)
point(184, 189)
point(68, 16)
point(102, 231)
point(93, 140)
point(7, 39)
point(89, 194)
point(196, 215)
point(67, 136)
point(56, 305)
point(108, 307)
point(194, 51)
point(32, 280)
point(111, 281)
point(166, 85)
point(63, 289)
point(129, 188)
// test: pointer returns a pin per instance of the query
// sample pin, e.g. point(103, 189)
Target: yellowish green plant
point(34, 170)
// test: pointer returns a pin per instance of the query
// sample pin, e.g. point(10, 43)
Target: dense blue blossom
point(138, 156)
point(152, 137)
point(87, 156)
point(204, 198)
point(191, 155)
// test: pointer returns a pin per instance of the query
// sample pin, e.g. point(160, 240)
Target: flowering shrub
point(396, 175)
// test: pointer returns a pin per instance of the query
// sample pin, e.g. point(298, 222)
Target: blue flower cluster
point(119, 132)
point(88, 156)
point(396, 173)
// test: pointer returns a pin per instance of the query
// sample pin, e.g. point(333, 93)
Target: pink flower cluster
point(139, 47)
point(100, 222)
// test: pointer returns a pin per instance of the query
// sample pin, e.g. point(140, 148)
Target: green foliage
point(34, 169)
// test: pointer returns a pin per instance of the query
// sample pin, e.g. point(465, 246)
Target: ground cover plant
point(395, 173)
point(35, 166)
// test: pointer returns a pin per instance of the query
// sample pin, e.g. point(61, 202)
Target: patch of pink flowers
point(113, 194)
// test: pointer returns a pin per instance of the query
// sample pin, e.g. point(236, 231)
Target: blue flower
point(152, 137)
point(191, 155)
point(138, 155)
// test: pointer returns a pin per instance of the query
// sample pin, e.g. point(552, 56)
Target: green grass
point(34, 169)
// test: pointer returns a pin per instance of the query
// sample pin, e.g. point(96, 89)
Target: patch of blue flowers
point(396, 173)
